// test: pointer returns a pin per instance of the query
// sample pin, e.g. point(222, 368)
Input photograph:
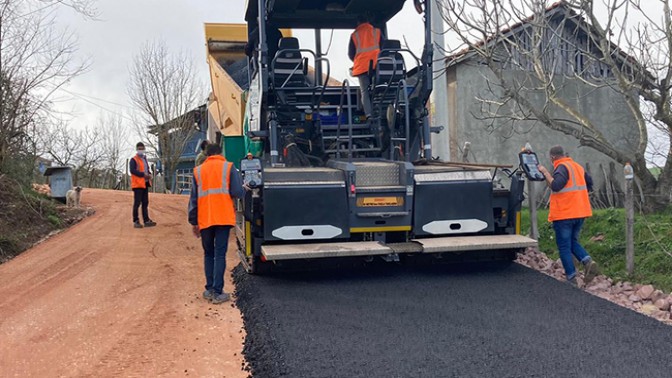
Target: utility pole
point(629, 219)
point(439, 98)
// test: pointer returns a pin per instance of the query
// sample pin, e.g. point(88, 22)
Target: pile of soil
point(27, 217)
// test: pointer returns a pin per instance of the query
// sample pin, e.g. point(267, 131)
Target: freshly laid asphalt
point(442, 321)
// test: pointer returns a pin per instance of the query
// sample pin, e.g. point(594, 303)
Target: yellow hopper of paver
point(229, 77)
point(230, 80)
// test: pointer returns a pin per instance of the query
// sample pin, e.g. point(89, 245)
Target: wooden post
point(126, 175)
point(629, 220)
point(534, 227)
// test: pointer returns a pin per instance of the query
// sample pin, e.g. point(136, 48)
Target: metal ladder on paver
point(358, 138)
point(183, 181)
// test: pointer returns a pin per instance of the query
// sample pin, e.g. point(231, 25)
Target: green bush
point(54, 220)
point(653, 244)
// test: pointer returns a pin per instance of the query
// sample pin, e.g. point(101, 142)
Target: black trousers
point(140, 197)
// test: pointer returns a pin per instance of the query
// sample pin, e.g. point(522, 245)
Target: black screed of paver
point(442, 321)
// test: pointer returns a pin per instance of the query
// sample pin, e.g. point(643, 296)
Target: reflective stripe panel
point(376, 42)
point(573, 187)
point(368, 49)
point(224, 189)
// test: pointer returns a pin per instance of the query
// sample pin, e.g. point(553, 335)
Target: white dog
point(73, 196)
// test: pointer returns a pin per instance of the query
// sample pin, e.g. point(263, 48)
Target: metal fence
point(183, 181)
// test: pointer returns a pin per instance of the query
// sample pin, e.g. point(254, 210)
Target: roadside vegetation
point(603, 236)
point(26, 217)
point(38, 59)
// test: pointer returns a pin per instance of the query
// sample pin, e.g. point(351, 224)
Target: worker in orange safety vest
point(212, 215)
point(141, 181)
point(569, 207)
point(363, 50)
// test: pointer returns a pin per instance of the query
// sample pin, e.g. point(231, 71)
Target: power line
point(94, 98)
point(120, 114)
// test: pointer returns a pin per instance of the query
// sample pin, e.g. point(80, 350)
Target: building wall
point(500, 142)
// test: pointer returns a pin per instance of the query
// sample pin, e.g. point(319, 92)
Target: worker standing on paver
point(212, 215)
point(569, 207)
point(141, 181)
point(363, 50)
point(200, 158)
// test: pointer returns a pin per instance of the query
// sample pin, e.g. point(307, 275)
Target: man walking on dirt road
point(212, 215)
point(569, 207)
point(141, 181)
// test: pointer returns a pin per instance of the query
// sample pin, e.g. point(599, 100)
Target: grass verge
point(603, 236)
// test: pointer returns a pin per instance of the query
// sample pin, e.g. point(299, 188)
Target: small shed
point(60, 181)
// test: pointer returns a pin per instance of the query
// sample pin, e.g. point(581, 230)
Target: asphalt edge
point(262, 351)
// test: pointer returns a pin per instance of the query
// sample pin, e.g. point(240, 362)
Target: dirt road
point(105, 299)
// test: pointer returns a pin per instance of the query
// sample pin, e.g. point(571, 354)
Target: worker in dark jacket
point(200, 158)
point(212, 215)
point(569, 207)
point(141, 181)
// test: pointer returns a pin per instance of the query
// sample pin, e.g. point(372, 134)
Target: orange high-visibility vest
point(138, 182)
point(215, 205)
point(367, 43)
point(572, 202)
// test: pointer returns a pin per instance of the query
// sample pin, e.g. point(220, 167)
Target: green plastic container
point(234, 149)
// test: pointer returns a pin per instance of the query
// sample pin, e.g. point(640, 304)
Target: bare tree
point(59, 144)
point(164, 88)
point(578, 46)
point(82, 149)
point(87, 8)
point(90, 156)
point(36, 59)
point(114, 139)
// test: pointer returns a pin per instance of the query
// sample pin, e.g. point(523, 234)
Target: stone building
point(581, 82)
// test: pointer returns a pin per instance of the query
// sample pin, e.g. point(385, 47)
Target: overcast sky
point(125, 25)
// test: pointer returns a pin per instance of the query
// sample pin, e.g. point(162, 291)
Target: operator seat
point(390, 70)
point(288, 69)
point(390, 67)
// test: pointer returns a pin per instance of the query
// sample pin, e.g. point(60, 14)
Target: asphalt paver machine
point(330, 183)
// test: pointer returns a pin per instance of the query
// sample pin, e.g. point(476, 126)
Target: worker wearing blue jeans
point(569, 206)
point(215, 241)
point(212, 215)
point(567, 238)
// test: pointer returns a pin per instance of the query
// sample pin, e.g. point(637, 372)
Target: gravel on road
point(501, 320)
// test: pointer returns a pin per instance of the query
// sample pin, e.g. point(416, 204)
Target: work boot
point(208, 294)
point(137, 224)
point(220, 298)
point(573, 281)
point(591, 270)
point(150, 223)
